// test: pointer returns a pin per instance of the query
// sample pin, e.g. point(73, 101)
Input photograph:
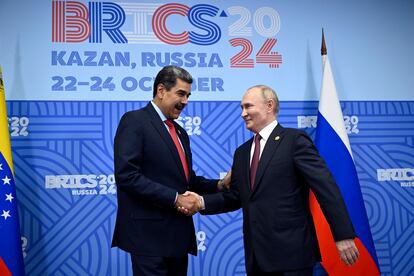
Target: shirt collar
point(159, 112)
point(267, 130)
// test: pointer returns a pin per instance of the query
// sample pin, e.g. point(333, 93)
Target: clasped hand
point(225, 183)
point(188, 203)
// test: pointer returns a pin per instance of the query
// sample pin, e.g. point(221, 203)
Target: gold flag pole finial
point(323, 47)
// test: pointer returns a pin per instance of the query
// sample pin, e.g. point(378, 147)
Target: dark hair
point(168, 77)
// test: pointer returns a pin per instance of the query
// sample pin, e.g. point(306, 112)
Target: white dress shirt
point(264, 133)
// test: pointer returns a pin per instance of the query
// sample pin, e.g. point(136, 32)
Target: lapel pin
point(277, 138)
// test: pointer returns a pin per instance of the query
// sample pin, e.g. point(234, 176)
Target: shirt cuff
point(175, 201)
point(202, 205)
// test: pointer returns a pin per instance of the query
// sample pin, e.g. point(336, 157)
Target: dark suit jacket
point(149, 173)
point(277, 223)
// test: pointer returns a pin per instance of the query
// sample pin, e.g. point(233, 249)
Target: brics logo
point(75, 22)
point(397, 174)
point(211, 31)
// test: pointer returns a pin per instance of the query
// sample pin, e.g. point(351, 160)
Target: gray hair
point(268, 94)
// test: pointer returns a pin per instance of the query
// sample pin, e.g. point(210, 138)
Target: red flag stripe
point(4, 271)
point(334, 266)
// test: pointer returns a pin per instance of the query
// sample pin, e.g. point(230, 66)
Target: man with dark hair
point(168, 78)
point(153, 168)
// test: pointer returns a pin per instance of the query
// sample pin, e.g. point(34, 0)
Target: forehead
point(182, 85)
point(252, 95)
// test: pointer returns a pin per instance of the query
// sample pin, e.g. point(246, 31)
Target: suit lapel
point(166, 137)
point(268, 152)
point(186, 147)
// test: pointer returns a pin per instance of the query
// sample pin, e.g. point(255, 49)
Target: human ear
point(160, 90)
point(270, 105)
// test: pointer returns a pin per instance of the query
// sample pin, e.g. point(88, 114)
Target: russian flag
point(333, 145)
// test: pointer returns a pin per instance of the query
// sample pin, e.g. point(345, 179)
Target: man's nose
point(184, 100)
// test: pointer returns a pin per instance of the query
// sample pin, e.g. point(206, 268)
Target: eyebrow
point(185, 92)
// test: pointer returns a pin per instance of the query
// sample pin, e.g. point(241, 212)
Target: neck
point(268, 123)
point(157, 102)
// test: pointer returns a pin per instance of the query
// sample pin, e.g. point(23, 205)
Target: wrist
point(202, 205)
point(220, 185)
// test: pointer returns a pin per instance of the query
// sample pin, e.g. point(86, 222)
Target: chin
point(175, 115)
point(249, 126)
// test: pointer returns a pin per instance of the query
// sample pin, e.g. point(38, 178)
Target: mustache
point(180, 106)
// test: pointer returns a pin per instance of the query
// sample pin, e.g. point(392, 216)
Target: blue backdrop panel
point(63, 156)
point(67, 87)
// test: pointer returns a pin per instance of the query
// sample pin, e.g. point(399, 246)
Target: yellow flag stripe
point(5, 147)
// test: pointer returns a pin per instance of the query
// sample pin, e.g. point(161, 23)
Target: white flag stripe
point(329, 105)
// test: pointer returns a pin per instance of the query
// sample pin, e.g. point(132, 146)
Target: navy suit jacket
point(277, 224)
point(149, 174)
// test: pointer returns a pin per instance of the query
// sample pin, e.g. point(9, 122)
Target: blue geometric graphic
point(67, 201)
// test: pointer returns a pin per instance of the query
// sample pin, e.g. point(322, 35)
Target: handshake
point(190, 203)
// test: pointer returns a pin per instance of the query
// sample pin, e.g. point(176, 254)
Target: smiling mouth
point(180, 107)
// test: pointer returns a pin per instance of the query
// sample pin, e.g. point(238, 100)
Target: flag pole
point(324, 51)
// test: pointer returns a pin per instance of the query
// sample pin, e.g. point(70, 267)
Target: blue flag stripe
point(10, 249)
point(341, 164)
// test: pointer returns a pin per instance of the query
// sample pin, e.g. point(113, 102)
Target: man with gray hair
point(272, 175)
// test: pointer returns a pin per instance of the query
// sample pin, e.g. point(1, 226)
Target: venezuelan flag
point(11, 258)
point(333, 145)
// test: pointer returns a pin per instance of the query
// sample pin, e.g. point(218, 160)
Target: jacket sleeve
point(317, 175)
point(202, 185)
point(224, 202)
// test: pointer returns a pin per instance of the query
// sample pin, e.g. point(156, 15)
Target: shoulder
point(244, 147)
point(135, 114)
point(293, 137)
point(299, 139)
point(292, 131)
point(295, 133)
point(133, 120)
